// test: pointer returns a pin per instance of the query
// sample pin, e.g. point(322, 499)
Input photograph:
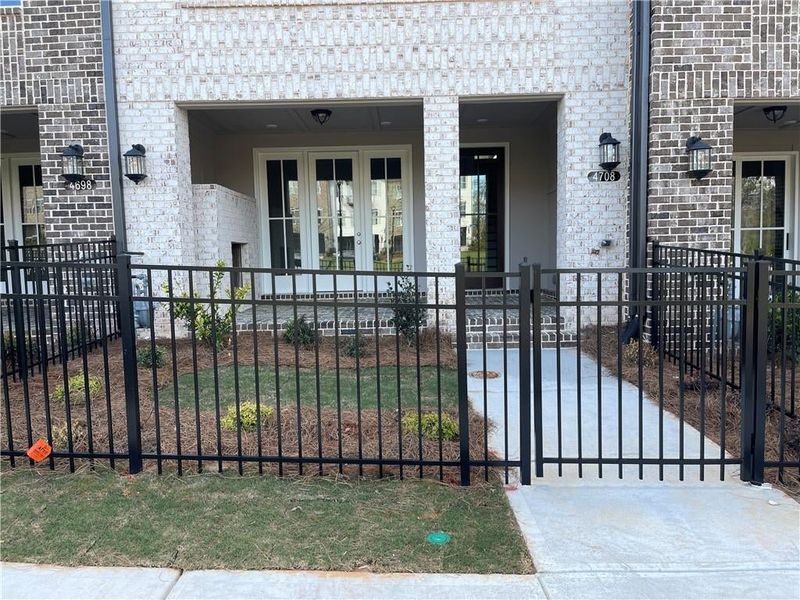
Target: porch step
point(499, 335)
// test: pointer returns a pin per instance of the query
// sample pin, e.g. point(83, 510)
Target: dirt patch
point(705, 400)
point(484, 374)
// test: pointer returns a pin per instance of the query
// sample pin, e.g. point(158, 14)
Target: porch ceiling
point(297, 119)
point(751, 116)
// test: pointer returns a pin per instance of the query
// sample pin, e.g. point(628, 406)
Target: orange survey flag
point(39, 451)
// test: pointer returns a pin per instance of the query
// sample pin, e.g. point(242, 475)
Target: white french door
point(337, 211)
point(765, 196)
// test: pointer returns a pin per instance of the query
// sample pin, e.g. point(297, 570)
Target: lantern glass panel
point(135, 165)
point(72, 165)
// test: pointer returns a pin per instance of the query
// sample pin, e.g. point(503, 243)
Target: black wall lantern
point(321, 115)
point(609, 152)
point(699, 157)
point(72, 163)
point(135, 169)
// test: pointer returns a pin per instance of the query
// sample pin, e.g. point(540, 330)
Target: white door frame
point(792, 200)
point(361, 189)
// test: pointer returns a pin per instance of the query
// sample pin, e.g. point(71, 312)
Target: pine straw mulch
point(789, 481)
point(366, 436)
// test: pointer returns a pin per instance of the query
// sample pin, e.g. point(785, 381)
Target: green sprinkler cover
point(438, 538)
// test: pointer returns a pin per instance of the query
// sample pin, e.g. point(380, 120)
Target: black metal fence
point(27, 273)
point(381, 382)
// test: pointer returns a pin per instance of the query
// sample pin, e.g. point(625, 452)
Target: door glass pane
point(283, 206)
point(751, 241)
point(335, 214)
point(387, 214)
point(31, 197)
point(772, 242)
point(751, 194)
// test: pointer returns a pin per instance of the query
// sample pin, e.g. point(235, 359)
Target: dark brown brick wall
point(706, 55)
point(52, 60)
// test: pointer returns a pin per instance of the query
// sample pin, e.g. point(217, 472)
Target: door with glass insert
point(337, 229)
point(763, 206)
point(286, 225)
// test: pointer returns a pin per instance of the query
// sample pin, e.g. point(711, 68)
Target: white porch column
point(442, 240)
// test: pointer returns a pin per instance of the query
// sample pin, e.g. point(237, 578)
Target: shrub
point(630, 354)
point(356, 347)
point(78, 335)
point(10, 348)
point(247, 416)
point(783, 326)
point(408, 315)
point(77, 391)
point(147, 357)
point(209, 324)
point(430, 426)
point(299, 333)
point(61, 435)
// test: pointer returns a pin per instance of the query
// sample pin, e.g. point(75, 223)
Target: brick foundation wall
point(52, 61)
point(705, 56)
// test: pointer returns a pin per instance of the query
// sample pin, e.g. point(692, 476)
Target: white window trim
point(792, 207)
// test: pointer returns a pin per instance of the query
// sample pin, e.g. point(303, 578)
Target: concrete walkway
point(631, 538)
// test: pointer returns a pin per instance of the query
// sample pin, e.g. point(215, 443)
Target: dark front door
point(482, 194)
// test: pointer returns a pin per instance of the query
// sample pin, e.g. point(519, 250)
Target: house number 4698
point(86, 184)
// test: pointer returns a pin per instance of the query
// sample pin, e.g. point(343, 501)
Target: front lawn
point(215, 521)
point(348, 386)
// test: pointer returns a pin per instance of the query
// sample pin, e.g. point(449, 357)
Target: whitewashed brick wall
point(176, 52)
point(223, 217)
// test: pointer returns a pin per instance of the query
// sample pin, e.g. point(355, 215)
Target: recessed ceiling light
point(272, 126)
point(386, 123)
point(482, 120)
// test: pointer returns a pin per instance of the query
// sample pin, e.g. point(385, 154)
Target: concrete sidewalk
point(632, 538)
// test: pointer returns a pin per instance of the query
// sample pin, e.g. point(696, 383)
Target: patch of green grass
point(214, 521)
point(348, 384)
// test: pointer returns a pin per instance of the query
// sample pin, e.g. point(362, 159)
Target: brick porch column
point(442, 240)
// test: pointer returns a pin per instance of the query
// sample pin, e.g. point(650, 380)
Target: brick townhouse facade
point(458, 131)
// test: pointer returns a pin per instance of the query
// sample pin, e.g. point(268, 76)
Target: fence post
point(525, 373)
point(754, 374)
point(655, 297)
point(128, 334)
point(21, 360)
point(461, 351)
point(536, 281)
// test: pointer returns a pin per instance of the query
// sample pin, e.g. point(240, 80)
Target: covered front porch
point(363, 187)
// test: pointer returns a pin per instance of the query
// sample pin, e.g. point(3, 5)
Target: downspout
point(112, 124)
point(640, 117)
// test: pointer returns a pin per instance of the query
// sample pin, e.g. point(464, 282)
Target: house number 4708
point(86, 184)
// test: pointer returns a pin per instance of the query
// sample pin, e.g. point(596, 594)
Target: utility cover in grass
point(438, 538)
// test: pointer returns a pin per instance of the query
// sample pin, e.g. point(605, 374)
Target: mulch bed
point(712, 399)
point(106, 414)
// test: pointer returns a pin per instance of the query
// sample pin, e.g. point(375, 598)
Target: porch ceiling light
point(609, 152)
point(699, 157)
point(774, 113)
point(321, 115)
point(72, 163)
point(135, 168)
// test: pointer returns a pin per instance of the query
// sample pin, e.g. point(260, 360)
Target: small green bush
point(409, 316)
point(210, 324)
point(783, 327)
point(357, 347)
point(10, 348)
point(247, 416)
point(77, 392)
point(77, 335)
point(299, 333)
point(147, 357)
point(430, 426)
